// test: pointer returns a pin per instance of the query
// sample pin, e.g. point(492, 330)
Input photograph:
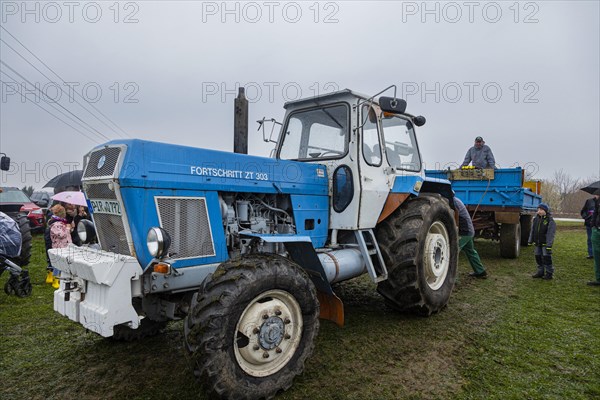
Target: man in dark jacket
point(587, 213)
point(595, 222)
point(542, 234)
point(466, 232)
point(480, 155)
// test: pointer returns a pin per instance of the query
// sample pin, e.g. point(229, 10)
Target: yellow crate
point(534, 186)
point(472, 174)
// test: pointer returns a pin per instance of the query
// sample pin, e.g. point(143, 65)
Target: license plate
point(101, 206)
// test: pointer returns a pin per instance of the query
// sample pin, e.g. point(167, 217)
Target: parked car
point(41, 198)
point(13, 201)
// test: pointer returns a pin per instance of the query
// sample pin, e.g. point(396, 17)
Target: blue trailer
point(500, 206)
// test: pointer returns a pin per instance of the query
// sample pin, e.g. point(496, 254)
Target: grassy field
point(506, 337)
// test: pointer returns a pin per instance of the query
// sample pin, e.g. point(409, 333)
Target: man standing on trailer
point(480, 155)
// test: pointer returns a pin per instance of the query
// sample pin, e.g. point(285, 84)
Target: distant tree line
point(562, 192)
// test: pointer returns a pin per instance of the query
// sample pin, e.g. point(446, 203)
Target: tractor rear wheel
point(251, 327)
point(419, 244)
point(510, 240)
point(23, 223)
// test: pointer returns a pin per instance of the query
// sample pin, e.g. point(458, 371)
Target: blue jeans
point(589, 240)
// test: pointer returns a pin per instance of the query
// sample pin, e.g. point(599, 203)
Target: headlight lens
point(158, 242)
point(86, 231)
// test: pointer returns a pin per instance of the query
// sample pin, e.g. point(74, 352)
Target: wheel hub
point(268, 333)
point(271, 333)
point(437, 257)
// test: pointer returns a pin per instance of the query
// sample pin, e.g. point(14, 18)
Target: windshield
point(316, 134)
point(13, 196)
point(401, 144)
point(36, 196)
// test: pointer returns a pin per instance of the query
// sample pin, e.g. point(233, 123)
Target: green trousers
point(596, 250)
point(465, 243)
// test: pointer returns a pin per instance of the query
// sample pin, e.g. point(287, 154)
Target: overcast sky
point(524, 75)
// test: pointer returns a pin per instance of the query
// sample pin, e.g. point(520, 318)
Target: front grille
point(110, 228)
point(111, 233)
point(107, 168)
point(186, 221)
point(99, 191)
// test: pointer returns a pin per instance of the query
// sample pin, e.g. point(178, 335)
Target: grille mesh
point(110, 228)
point(186, 221)
point(99, 191)
point(111, 157)
point(111, 233)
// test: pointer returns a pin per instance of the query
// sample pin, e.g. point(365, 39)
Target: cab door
point(375, 182)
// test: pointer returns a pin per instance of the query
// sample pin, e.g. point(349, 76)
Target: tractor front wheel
point(419, 244)
point(251, 327)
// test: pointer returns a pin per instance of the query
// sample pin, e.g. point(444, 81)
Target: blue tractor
point(246, 248)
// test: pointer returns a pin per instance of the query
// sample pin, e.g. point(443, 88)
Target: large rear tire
point(251, 327)
point(419, 244)
point(25, 256)
point(510, 240)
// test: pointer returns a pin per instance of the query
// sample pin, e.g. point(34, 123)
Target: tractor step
point(371, 254)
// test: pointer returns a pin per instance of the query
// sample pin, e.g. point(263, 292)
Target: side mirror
point(5, 163)
point(419, 121)
point(392, 105)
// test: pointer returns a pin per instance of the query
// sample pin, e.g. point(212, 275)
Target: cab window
point(319, 133)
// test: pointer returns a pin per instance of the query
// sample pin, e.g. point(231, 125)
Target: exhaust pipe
point(240, 123)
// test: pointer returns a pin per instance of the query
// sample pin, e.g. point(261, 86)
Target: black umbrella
point(71, 178)
point(594, 188)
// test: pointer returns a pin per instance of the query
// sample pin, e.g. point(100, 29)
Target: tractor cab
point(369, 148)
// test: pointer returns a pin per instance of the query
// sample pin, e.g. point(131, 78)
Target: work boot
point(481, 275)
point(538, 274)
point(593, 283)
point(547, 277)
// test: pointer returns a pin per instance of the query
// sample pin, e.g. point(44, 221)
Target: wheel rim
point(437, 255)
point(268, 333)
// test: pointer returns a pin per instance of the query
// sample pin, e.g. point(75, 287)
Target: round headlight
point(158, 242)
point(86, 231)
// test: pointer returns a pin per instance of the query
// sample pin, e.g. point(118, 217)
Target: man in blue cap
point(542, 234)
point(480, 155)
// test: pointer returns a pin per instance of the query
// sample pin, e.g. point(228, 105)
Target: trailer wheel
point(23, 223)
point(251, 327)
point(526, 222)
point(419, 244)
point(147, 328)
point(510, 240)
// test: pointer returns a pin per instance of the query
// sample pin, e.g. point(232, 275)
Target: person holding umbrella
point(594, 189)
point(587, 212)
